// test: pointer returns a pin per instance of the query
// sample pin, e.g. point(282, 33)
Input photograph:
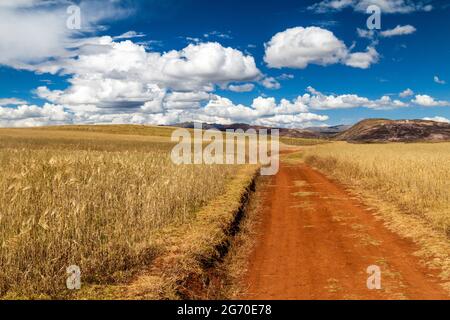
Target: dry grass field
point(302, 141)
point(96, 197)
point(414, 177)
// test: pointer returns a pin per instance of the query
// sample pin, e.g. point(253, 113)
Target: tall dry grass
point(81, 202)
point(415, 177)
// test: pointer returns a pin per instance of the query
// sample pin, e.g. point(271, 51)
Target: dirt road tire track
point(316, 241)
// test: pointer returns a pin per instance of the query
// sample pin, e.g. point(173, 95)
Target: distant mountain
point(371, 130)
point(329, 131)
point(383, 130)
point(292, 133)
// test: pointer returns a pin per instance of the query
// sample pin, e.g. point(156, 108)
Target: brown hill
point(382, 130)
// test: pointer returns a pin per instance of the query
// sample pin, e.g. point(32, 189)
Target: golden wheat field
point(92, 198)
point(415, 177)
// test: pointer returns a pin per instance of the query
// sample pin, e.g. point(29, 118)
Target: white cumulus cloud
point(319, 101)
point(11, 101)
point(362, 60)
point(407, 93)
point(109, 74)
point(398, 31)
point(271, 83)
point(32, 31)
point(428, 101)
point(247, 87)
point(298, 47)
point(263, 111)
point(32, 115)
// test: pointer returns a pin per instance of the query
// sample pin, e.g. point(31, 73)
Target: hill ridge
point(385, 130)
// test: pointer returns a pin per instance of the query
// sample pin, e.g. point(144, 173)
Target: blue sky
point(280, 63)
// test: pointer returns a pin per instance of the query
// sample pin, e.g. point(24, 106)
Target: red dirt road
point(316, 241)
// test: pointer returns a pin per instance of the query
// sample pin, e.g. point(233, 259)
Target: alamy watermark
point(231, 147)
point(73, 21)
point(73, 281)
point(374, 279)
point(374, 21)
